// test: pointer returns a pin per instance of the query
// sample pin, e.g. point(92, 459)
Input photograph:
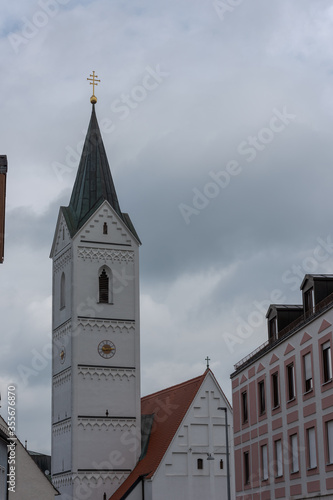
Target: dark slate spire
point(93, 183)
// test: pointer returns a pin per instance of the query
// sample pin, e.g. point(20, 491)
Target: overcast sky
point(217, 119)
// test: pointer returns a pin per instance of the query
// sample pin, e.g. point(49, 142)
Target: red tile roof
point(169, 408)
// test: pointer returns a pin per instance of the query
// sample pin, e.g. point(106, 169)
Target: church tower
point(96, 427)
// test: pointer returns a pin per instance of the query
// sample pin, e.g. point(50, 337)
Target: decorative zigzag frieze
point(69, 478)
point(106, 423)
point(104, 254)
point(62, 428)
point(98, 373)
point(63, 331)
point(106, 324)
point(95, 477)
point(62, 480)
point(63, 260)
point(62, 378)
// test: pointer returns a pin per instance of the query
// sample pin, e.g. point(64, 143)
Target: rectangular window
point(244, 406)
point(278, 458)
point(329, 430)
point(264, 462)
point(275, 385)
point(262, 401)
point(246, 467)
point(312, 450)
point(294, 453)
point(291, 382)
point(307, 372)
point(327, 361)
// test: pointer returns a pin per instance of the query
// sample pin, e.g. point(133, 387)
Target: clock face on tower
point(106, 349)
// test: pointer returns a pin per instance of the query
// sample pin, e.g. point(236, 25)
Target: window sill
point(62, 308)
point(327, 382)
point(279, 477)
point(292, 400)
point(294, 472)
point(264, 480)
point(312, 468)
point(308, 392)
point(276, 407)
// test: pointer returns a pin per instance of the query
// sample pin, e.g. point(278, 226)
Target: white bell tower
point(96, 417)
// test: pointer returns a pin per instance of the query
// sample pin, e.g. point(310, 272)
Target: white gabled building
point(184, 450)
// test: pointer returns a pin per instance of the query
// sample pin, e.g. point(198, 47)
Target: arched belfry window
point(105, 285)
point(62, 291)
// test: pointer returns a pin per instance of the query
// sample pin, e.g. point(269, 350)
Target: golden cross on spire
point(93, 98)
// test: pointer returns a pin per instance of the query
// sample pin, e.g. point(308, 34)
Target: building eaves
point(259, 353)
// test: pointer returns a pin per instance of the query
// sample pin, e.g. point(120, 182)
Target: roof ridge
point(173, 387)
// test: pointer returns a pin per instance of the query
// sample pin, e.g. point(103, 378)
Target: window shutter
point(312, 448)
point(264, 461)
point(279, 464)
point(294, 450)
point(330, 441)
point(307, 366)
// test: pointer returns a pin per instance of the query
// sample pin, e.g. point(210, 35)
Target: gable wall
point(201, 432)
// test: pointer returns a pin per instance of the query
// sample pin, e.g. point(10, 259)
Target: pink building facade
point(283, 402)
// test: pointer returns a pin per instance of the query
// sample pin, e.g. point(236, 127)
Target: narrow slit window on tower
point(62, 291)
point(104, 287)
point(105, 228)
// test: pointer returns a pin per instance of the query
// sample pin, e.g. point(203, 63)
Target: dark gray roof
point(323, 277)
point(43, 461)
